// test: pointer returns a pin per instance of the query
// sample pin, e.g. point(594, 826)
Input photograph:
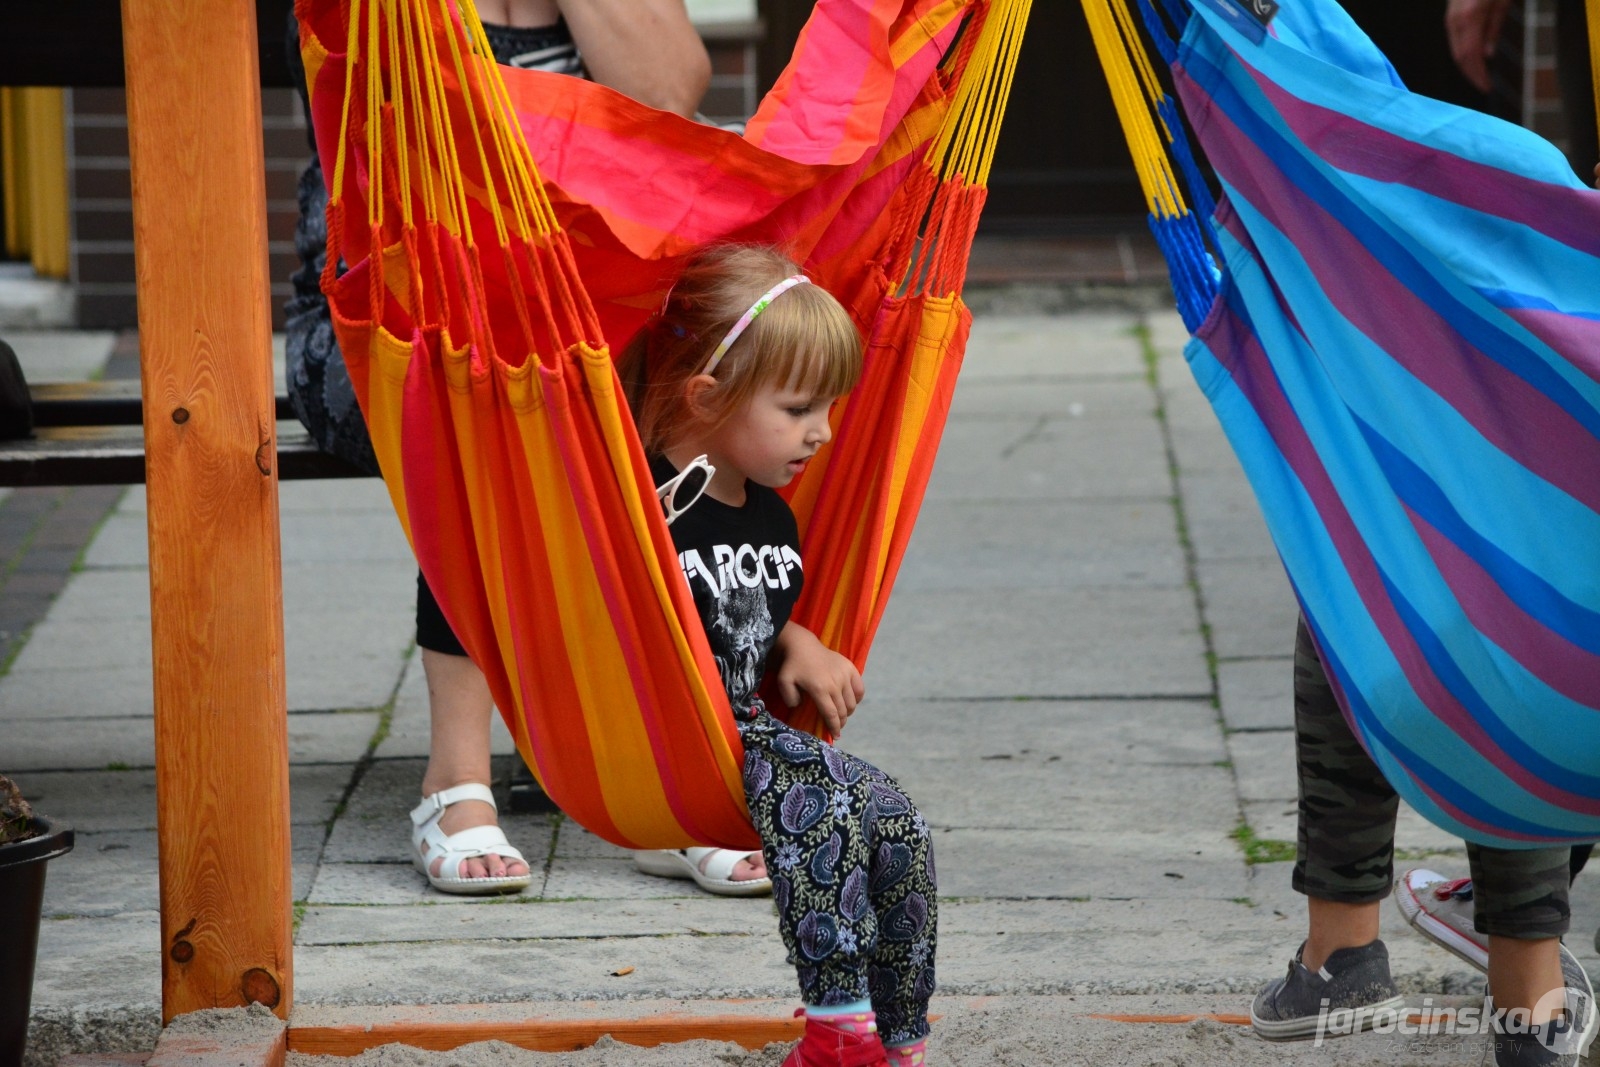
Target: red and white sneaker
point(827, 1044)
point(1440, 909)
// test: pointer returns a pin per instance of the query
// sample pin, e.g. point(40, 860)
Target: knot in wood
point(180, 415)
point(182, 952)
point(259, 986)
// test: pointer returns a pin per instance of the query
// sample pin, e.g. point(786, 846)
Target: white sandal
point(710, 868)
point(429, 843)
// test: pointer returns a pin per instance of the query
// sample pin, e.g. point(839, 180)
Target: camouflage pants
point(852, 871)
point(1345, 849)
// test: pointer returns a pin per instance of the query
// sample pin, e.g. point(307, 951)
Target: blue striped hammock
point(1402, 343)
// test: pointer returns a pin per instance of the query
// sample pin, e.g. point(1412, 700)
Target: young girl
point(742, 367)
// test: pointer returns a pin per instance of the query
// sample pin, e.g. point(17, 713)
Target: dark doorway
point(1062, 165)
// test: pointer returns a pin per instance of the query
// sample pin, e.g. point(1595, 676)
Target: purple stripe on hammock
point(1569, 670)
point(1570, 215)
point(1510, 413)
point(1577, 339)
point(1235, 345)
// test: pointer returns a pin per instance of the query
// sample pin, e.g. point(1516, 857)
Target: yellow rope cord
point(1132, 97)
point(966, 142)
point(352, 53)
point(1591, 16)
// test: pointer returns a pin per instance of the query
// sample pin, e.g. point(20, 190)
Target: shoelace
point(1460, 888)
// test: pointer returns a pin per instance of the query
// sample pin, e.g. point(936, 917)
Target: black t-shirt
point(743, 567)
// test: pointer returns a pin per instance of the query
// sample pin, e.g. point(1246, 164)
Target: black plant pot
point(21, 908)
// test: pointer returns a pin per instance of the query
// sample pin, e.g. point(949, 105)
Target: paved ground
point(1083, 678)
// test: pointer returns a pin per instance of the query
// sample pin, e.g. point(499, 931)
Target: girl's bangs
point(826, 361)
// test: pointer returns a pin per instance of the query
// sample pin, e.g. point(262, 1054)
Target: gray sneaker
point(1346, 995)
point(1558, 1043)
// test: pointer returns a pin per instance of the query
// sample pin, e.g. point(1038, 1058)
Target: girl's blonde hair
point(803, 340)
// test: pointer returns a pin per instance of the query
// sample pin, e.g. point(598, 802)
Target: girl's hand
point(810, 668)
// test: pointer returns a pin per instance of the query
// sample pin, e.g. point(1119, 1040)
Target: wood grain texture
point(543, 1035)
point(194, 116)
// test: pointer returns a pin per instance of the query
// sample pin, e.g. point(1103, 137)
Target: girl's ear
point(696, 392)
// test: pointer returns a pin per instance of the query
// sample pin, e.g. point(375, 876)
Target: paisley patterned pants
point(852, 871)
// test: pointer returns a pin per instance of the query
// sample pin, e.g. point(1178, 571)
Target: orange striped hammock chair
point(506, 229)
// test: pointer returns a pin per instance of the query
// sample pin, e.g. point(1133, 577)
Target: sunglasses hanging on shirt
point(680, 492)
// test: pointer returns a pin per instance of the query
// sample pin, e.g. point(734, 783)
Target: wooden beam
point(441, 1033)
point(222, 781)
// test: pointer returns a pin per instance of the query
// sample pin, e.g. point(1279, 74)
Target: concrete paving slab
point(1010, 346)
point(92, 967)
point(1073, 735)
point(701, 915)
point(1028, 793)
point(103, 801)
point(1060, 643)
point(79, 692)
point(316, 496)
point(1263, 765)
point(1250, 607)
point(1087, 399)
point(123, 542)
point(104, 594)
point(61, 355)
point(98, 743)
point(1052, 765)
point(1257, 694)
point(1202, 450)
point(497, 971)
point(574, 842)
point(1176, 865)
point(116, 871)
point(1223, 519)
point(1168, 334)
point(66, 644)
point(337, 496)
point(1043, 544)
point(615, 878)
point(1045, 458)
point(305, 537)
point(324, 679)
point(335, 537)
point(372, 884)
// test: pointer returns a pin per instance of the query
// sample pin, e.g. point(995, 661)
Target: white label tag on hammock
point(1249, 17)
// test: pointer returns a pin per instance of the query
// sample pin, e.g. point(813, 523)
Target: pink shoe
point(1440, 909)
point(826, 1045)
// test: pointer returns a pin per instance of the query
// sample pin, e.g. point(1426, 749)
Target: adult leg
point(460, 709)
point(1520, 898)
point(1344, 864)
point(1344, 858)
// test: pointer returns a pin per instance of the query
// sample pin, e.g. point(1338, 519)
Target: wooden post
point(216, 599)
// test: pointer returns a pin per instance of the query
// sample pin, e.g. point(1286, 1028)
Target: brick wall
point(102, 208)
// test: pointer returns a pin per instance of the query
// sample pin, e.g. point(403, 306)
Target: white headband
point(749, 316)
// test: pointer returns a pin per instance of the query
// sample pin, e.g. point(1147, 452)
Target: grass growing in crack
point(1261, 849)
